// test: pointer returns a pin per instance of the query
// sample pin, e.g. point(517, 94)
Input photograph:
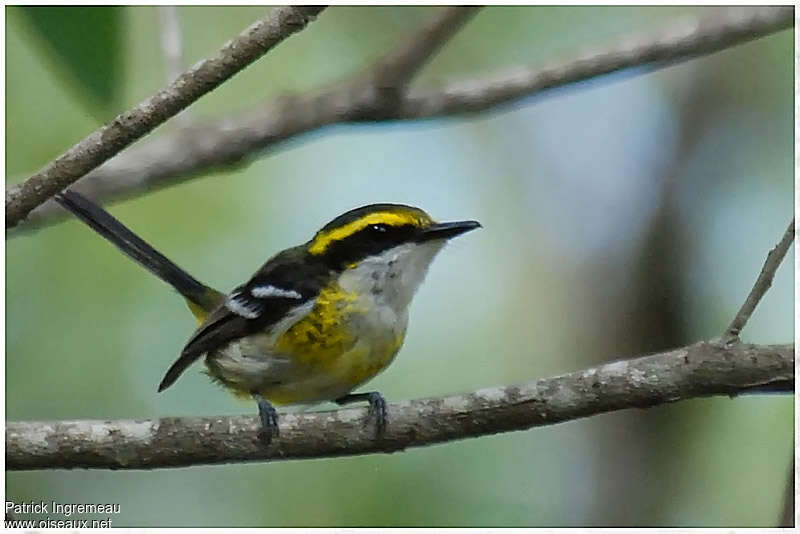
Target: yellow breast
point(345, 340)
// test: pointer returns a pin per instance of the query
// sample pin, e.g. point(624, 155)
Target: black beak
point(447, 230)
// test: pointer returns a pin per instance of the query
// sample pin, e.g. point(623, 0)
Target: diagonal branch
point(763, 283)
point(698, 370)
point(129, 126)
point(681, 41)
point(401, 64)
point(182, 154)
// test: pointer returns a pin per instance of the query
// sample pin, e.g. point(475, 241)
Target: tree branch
point(127, 127)
point(763, 283)
point(698, 370)
point(398, 67)
point(180, 155)
point(681, 41)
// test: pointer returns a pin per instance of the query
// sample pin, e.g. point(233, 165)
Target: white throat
point(393, 276)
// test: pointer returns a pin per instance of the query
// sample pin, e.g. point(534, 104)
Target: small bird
point(315, 321)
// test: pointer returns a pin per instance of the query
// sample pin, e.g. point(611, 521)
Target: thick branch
point(179, 155)
point(126, 128)
point(763, 283)
point(702, 369)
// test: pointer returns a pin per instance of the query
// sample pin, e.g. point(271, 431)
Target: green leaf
point(86, 42)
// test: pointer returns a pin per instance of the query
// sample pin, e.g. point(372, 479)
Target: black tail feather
point(137, 249)
point(176, 369)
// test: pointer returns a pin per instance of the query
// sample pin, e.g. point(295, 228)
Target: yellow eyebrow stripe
point(323, 240)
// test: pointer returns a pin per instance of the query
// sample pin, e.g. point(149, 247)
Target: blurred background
point(621, 216)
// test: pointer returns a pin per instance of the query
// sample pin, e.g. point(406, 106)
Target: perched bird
point(315, 321)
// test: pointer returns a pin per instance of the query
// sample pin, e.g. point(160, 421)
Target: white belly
point(375, 322)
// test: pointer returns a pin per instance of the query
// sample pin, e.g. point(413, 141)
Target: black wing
point(288, 280)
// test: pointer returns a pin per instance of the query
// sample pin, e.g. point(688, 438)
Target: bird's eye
point(379, 228)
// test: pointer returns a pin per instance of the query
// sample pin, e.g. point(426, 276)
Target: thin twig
point(171, 41)
point(181, 155)
point(698, 370)
point(399, 66)
point(763, 283)
point(127, 127)
point(787, 512)
point(172, 51)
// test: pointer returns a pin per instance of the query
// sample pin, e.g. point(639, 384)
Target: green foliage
point(86, 45)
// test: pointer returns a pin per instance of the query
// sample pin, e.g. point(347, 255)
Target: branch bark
point(182, 154)
point(398, 67)
point(698, 370)
point(127, 127)
point(681, 41)
point(763, 283)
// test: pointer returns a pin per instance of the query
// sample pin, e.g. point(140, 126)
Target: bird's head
point(384, 248)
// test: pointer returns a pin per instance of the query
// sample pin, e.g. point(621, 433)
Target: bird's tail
point(200, 298)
